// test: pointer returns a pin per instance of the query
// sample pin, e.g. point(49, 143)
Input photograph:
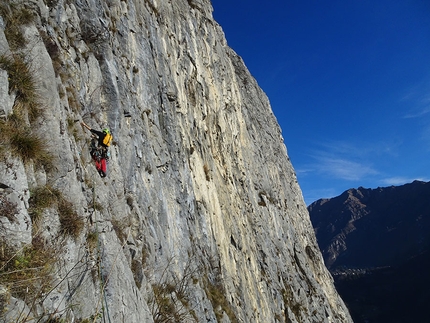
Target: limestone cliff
point(200, 218)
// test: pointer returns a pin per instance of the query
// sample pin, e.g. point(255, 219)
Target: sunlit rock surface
point(201, 213)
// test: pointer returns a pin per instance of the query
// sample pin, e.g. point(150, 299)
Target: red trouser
point(101, 166)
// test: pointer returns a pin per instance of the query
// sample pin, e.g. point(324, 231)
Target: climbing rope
point(99, 256)
point(103, 282)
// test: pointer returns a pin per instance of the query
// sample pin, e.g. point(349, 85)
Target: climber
point(100, 142)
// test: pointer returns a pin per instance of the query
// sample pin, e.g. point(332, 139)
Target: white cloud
point(343, 160)
point(417, 114)
point(398, 180)
point(357, 150)
point(343, 168)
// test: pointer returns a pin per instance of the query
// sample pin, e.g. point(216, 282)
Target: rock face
point(200, 218)
point(376, 243)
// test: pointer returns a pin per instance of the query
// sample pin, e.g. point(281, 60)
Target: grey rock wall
point(201, 215)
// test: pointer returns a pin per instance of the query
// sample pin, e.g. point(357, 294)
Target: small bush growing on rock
point(71, 224)
point(41, 198)
point(16, 131)
point(21, 142)
point(15, 16)
point(44, 197)
point(169, 302)
point(215, 292)
point(27, 272)
point(22, 82)
point(26, 145)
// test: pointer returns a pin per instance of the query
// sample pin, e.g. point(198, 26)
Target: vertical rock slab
point(201, 207)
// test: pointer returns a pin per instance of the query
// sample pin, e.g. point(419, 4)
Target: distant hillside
point(376, 243)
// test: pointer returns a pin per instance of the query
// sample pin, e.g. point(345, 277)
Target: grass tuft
point(15, 16)
point(217, 296)
point(26, 273)
point(21, 81)
point(26, 145)
point(169, 301)
point(71, 224)
point(92, 240)
point(23, 143)
point(8, 209)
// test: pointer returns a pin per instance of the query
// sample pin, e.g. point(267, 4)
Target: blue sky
point(349, 82)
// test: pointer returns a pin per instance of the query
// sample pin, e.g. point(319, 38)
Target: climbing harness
point(100, 155)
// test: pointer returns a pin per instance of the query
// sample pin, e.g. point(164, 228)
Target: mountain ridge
point(351, 210)
point(376, 244)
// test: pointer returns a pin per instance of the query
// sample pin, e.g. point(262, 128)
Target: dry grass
point(120, 226)
point(22, 142)
point(71, 224)
point(26, 145)
point(8, 209)
point(217, 296)
point(170, 301)
point(22, 82)
point(15, 16)
point(27, 272)
point(16, 133)
point(92, 240)
point(21, 76)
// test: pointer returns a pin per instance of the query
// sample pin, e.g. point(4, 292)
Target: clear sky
point(349, 82)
